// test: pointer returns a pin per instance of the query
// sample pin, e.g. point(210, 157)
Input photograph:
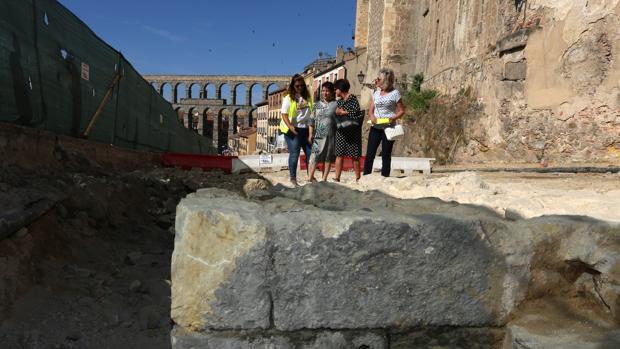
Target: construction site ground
point(93, 271)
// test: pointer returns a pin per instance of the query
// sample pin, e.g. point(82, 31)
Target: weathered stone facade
point(262, 125)
point(545, 71)
point(273, 119)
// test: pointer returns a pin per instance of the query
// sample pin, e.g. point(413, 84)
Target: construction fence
point(56, 74)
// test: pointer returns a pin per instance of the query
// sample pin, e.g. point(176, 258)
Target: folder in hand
point(380, 121)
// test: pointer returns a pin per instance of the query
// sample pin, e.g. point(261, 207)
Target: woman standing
point(324, 127)
point(348, 139)
point(296, 110)
point(386, 107)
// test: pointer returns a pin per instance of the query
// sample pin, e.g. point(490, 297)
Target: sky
point(215, 37)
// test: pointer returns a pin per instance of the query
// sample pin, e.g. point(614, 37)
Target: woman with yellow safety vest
point(296, 118)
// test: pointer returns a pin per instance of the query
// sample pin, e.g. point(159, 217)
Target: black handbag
point(349, 122)
point(346, 122)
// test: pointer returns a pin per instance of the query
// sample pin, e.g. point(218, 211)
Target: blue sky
point(255, 37)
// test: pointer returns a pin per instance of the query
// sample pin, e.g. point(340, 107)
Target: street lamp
point(360, 77)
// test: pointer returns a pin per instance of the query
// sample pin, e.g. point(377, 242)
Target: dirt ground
point(94, 270)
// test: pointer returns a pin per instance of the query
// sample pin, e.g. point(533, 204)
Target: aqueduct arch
point(217, 113)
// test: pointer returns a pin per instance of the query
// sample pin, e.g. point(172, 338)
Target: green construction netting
point(54, 73)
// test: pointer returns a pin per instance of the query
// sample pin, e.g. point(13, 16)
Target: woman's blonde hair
point(388, 79)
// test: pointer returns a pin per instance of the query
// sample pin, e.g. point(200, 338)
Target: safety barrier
point(204, 162)
point(279, 162)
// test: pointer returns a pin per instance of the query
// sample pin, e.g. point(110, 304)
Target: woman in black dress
point(348, 139)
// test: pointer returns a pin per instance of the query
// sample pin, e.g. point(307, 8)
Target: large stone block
point(182, 339)
point(322, 265)
point(449, 338)
point(513, 41)
point(288, 265)
point(221, 340)
point(559, 338)
point(515, 71)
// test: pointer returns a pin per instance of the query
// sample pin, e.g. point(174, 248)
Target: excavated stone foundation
point(324, 266)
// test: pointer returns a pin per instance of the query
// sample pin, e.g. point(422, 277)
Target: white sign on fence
point(265, 159)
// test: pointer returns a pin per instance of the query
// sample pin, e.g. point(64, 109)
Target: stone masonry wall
point(545, 71)
point(375, 35)
point(361, 24)
point(398, 31)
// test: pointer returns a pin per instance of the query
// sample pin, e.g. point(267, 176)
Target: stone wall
point(361, 24)
point(545, 71)
point(398, 32)
point(375, 35)
point(353, 65)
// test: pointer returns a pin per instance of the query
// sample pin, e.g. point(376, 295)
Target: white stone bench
point(406, 165)
point(260, 163)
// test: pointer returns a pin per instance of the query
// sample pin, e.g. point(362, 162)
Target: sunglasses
point(300, 86)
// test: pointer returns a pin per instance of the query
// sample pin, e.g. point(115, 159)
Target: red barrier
point(205, 162)
point(347, 163)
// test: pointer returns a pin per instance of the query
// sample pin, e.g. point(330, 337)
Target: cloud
point(164, 34)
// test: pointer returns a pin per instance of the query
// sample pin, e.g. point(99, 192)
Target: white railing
point(406, 164)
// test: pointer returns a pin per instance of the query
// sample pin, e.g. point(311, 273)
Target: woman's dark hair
point(328, 85)
point(291, 87)
point(342, 85)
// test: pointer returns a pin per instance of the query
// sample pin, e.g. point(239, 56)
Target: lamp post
point(360, 77)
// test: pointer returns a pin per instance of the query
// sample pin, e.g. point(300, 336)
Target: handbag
point(346, 122)
point(394, 132)
point(349, 122)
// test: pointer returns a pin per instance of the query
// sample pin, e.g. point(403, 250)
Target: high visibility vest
point(292, 113)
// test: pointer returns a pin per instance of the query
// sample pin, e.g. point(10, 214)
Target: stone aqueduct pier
point(213, 114)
